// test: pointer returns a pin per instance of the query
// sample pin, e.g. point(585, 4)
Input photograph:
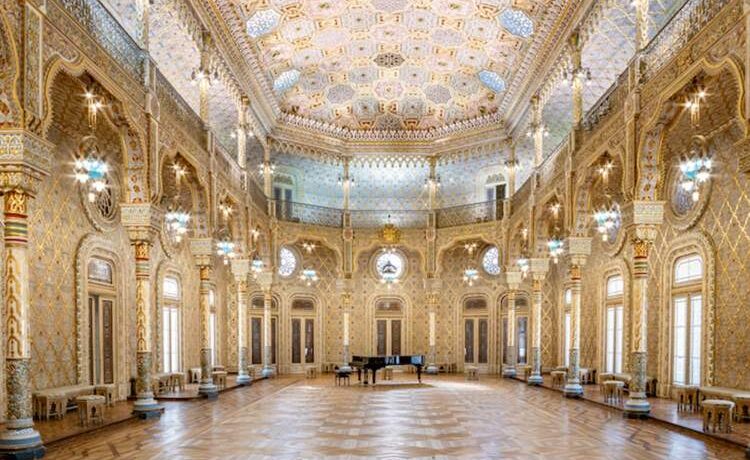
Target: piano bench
point(341, 377)
point(472, 373)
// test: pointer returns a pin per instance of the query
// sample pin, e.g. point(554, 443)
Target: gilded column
point(19, 439)
point(241, 270)
point(647, 216)
point(242, 132)
point(202, 250)
point(265, 280)
point(539, 268)
point(513, 280)
point(577, 79)
point(578, 249)
point(142, 222)
point(432, 286)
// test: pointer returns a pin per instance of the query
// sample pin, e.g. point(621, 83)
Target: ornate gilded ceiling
point(392, 65)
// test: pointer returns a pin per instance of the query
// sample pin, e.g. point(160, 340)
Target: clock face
point(390, 265)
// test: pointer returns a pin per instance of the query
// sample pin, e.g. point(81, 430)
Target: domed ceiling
point(392, 65)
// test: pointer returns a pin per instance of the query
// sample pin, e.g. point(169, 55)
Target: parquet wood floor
point(446, 417)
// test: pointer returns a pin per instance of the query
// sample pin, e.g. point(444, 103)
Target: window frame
point(614, 311)
point(171, 317)
point(689, 290)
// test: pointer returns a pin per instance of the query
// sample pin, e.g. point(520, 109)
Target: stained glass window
point(287, 262)
point(262, 22)
point(285, 81)
point(490, 261)
point(517, 23)
point(492, 80)
point(390, 265)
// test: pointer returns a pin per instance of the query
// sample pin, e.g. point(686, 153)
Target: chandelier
point(432, 181)
point(201, 75)
point(523, 265)
point(536, 128)
point(581, 73)
point(225, 250)
point(225, 207)
point(309, 246)
point(89, 169)
point(695, 169)
point(471, 275)
point(346, 180)
point(556, 247)
point(309, 276)
point(471, 247)
point(177, 224)
point(262, 169)
point(257, 265)
point(607, 218)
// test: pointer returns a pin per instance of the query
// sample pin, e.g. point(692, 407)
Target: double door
point(388, 336)
point(303, 341)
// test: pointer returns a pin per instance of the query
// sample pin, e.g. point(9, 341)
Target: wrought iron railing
point(401, 218)
point(290, 211)
point(678, 31)
point(469, 214)
point(104, 28)
point(173, 105)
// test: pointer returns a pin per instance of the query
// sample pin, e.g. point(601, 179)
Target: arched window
point(687, 302)
point(567, 302)
point(171, 333)
point(613, 340)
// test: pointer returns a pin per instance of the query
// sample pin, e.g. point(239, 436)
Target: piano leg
point(366, 377)
point(359, 374)
point(419, 374)
point(374, 371)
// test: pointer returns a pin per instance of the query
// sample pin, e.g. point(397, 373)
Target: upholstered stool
point(387, 373)
point(472, 373)
point(742, 407)
point(526, 372)
point(106, 390)
point(219, 378)
point(586, 375)
point(558, 379)
point(177, 381)
point(311, 372)
point(603, 377)
point(91, 409)
point(686, 396)
point(56, 406)
point(195, 374)
point(717, 415)
point(613, 391)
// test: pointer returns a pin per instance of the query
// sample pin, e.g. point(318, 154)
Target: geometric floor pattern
point(446, 417)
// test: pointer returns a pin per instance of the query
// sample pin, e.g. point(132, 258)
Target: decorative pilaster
point(141, 221)
point(432, 286)
point(513, 280)
point(202, 250)
point(242, 132)
point(577, 79)
point(647, 216)
point(579, 248)
point(265, 280)
point(241, 270)
point(539, 268)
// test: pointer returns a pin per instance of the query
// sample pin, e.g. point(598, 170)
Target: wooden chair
point(472, 373)
point(195, 374)
point(717, 415)
point(311, 372)
point(108, 391)
point(91, 409)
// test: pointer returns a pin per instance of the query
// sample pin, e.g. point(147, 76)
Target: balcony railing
point(474, 213)
point(290, 211)
point(401, 218)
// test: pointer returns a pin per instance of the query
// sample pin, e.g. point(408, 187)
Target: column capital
point(344, 285)
point(202, 251)
point(240, 268)
point(643, 218)
point(142, 221)
point(24, 159)
point(579, 246)
point(539, 267)
point(265, 280)
point(513, 279)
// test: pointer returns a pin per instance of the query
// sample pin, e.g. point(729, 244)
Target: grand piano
point(373, 363)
